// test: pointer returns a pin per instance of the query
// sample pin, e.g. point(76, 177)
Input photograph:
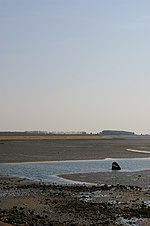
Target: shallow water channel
point(48, 171)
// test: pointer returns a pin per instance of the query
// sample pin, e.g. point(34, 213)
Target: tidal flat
point(118, 198)
point(79, 147)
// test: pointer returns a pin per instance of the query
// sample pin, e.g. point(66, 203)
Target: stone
point(115, 166)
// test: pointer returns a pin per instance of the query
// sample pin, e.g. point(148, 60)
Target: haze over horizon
point(75, 65)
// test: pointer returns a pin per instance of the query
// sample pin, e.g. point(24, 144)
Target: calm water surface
point(48, 171)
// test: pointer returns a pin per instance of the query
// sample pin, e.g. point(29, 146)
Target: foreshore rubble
point(24, 202)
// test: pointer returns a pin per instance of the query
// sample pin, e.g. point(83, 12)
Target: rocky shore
point(24, 202)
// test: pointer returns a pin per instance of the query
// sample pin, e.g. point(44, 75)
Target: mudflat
point(79, 147)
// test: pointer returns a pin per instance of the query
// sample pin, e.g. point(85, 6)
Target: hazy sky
point(69, 65)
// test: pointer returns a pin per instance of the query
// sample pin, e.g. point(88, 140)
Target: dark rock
point(115, 166)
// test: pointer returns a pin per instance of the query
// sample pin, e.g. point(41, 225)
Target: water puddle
point(138, 151)
point(127, 222)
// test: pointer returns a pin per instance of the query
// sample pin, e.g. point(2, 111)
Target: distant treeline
point(40, 132)
point(104, 132)
point(117, 132)
point(25, 132)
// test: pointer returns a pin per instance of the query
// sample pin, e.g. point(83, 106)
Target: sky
point(75, 65)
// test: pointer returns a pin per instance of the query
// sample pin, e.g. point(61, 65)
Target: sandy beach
point(115, 198)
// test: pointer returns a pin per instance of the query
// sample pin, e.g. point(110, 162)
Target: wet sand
point(139, 178)
point(28, 150)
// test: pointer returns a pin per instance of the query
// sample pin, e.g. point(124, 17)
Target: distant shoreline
point(31, 136)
